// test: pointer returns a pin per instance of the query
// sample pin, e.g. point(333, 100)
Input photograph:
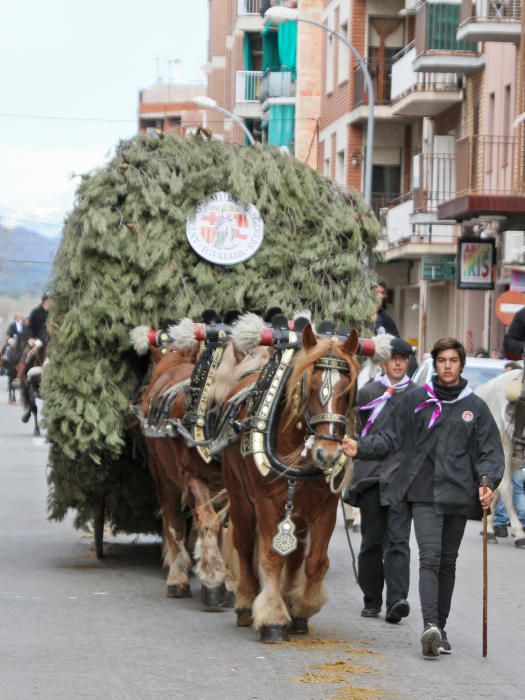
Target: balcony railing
point(488, 165)
point(503, 11)
point(381, 74)
point(248, 85)
point(380, 200)
point(276, 83)
point(436, 27)
point(405, 79)
point(434, 180)
point(248, 7)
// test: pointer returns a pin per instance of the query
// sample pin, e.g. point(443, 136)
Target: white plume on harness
point(183, 334)
point(139, 339)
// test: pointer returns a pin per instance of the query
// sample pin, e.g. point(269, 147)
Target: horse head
point(321, 393)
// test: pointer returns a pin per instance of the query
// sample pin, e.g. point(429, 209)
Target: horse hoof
point(273, 634)
point(520, 544)
point(491, 538)
point(229, 600)
point(178, 590)
point(36, 432)
point(299, 625)
point(213, 598)
point(244, 617)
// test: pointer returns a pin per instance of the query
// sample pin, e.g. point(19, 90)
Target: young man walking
point(384, 555)
point(448, 441)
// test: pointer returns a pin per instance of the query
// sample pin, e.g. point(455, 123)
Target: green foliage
point(124, 261)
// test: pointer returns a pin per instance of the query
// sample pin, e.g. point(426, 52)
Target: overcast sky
point(70, 75)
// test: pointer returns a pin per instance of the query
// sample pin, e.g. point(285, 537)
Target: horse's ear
point(351, 343)
point(309, 339)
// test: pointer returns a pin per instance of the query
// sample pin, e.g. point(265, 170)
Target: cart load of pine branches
point(125, 260)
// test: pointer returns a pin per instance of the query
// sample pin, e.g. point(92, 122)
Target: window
point(326, 168)
point(340, 168)
point(343, 65)
point(329, 64)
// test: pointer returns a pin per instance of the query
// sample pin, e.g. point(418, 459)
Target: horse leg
point(294, 577)
point(34, 411)
point(210, 566)
point(514, 511)
point(175, 556)
point(242, 517)
point(309, 594)
point(271, 618)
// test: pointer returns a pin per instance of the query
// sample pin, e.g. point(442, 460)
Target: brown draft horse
point(278, 594)
point(183, 479)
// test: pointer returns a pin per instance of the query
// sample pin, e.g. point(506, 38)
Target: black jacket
point(468, 446)
point(38, 323)
point(375, 471)
point(384, 323)
point(514, 340)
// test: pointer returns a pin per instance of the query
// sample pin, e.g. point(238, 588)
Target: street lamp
point(210, 103)
point(280, 14)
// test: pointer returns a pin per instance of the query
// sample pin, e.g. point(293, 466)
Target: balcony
point(489, 181)
point(247, 93)
point(277, 87)
point(486, 20)
point(382, 200)
point(249, 17)
point(437, 47)
point(416, 94)
point(381, 74)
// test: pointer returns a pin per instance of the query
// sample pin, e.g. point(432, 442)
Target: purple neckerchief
point(378, 404)
point(433, 398)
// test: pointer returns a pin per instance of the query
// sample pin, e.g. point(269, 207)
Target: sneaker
point(397, 610)
point(430, 641)
point(501, 531)
point(370, 612)
point(444, 645)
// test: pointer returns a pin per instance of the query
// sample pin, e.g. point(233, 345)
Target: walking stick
point(484, 484)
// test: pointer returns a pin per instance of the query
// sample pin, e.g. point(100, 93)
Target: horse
point(281, 576)
point(28, 378)
point(185, 483)
point(494, 393)
point(10, 358)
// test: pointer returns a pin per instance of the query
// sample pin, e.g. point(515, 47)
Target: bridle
point(334, 420)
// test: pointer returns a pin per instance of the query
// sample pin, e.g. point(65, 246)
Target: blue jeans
point(518, 499)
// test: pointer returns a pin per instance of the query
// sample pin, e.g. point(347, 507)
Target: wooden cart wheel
point(98, 527)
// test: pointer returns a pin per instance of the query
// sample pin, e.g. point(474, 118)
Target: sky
point(70, 73)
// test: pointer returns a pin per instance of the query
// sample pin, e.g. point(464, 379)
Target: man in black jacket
point(449, 441)
point(38, 320)
point(384, 555)
point(383, 322)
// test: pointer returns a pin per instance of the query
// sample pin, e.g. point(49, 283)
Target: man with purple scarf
point(449, 441)
point(384, 555)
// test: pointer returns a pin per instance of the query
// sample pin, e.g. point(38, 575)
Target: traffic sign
point(507, 304)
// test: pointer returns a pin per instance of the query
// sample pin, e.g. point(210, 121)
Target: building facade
point(169, 108)
point(253, 73)
point(447, 154)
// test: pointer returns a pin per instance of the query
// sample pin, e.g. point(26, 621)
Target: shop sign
point(474, 263)
point(438, 267)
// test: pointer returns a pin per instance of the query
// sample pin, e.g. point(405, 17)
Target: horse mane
point(231, 369)
point(304, 365)
point(169, 362)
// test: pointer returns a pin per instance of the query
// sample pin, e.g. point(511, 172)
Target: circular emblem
point(467, 416)
point(223, 232)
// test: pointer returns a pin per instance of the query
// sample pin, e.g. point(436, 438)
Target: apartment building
point(446, 78)
point(252, 73)
point(169, 107)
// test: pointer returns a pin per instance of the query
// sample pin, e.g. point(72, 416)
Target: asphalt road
point(74, 627)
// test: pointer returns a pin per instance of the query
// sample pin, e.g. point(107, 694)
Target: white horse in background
point(494, 393)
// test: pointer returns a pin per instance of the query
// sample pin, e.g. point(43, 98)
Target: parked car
point(478, 370)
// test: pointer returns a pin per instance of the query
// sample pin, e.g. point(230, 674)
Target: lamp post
point(280, 14)
point(210, 103)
